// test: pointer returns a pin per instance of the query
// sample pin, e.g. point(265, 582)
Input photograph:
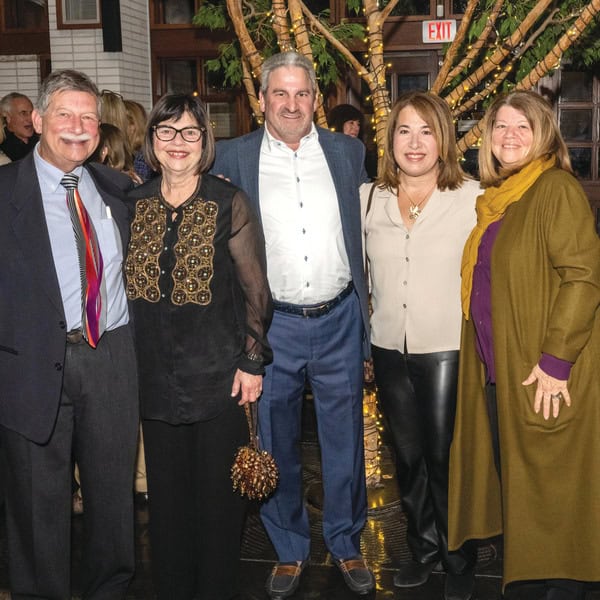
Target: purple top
point(481, 313)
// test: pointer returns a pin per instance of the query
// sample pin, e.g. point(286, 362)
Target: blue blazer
point(32, 320)
point(238, 159)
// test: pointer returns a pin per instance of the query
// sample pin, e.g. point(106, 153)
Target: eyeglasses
point(166, 133)
point(111, 93)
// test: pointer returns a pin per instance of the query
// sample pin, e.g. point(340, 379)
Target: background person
point(67, 375)
point(136, 131)
point(303, 182)
point(347, 119)
point(421, 212)
point(20, 137)
point(531, 348)
point(4, 160)
point(197, 278)
point(113, 151)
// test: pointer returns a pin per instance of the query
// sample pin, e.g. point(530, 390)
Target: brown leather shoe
point(357, 575)
point(284, 579)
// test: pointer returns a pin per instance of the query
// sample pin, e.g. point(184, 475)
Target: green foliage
point(228, 64)
point(354, 6)
point(212, 16)
point(585, 53)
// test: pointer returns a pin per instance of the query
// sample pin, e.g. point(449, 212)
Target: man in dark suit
point(20, 137)
point(67, 366)
point(304, 181)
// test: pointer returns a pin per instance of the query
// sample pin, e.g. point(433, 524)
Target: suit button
point(58, 366)
point(62, 324)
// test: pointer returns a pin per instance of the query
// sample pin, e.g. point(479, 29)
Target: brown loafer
point(357, 575)
point(284, 579)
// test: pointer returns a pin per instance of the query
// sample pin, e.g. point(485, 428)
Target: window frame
point(61, 23)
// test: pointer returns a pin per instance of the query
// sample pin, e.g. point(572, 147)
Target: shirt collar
point(272, 142)
point(50, 176)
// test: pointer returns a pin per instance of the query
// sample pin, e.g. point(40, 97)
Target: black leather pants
point(417, 393)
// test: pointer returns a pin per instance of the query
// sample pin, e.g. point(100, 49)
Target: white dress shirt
point(415, 274)
point(307, 261)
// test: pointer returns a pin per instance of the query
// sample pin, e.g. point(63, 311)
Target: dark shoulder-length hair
point(172, 107)
point(436, 113)
point(547, 138)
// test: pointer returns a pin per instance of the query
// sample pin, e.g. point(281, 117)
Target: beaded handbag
point(254, 471)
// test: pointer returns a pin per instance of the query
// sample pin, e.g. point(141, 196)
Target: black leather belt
point(75, 336)
point(314, 310)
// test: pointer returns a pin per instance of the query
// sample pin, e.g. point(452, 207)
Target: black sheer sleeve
point(247, 249)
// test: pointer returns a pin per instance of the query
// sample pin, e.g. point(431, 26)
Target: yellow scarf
point(490, 207)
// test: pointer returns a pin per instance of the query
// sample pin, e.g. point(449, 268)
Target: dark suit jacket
point(32, 320)
point(238, 160)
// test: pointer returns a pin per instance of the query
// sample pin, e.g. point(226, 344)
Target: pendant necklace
point(414, 210)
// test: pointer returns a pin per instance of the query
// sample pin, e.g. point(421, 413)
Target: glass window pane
point(214, 82)
point(178, 11)
point(222, 118)
point(576, 86)
point(80, 11)
point(581, 160)
point(410, 7)
point(25, 14)
point(407, 83)
point(459, 6)
point(317, 6)
point(179, 76)
point(576, 124)
point(470, 162)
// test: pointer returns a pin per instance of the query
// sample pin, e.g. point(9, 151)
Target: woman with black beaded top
point(196, 276)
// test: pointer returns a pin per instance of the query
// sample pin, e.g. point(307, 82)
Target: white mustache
point(72, 137)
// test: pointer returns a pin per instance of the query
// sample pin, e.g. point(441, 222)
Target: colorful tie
point(90, 263)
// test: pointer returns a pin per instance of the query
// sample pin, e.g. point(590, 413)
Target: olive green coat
point(545, 294)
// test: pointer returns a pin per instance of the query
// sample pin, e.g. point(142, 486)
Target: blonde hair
point(136, 117)
point(113, 112)
point(436, 113)
point(547, 138)
point(118, 156)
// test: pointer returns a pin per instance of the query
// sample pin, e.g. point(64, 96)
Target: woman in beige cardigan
point(525, 459)
point(420, 212)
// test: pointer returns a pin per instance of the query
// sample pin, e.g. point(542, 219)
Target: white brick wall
point(20, 74)
point(127, 72)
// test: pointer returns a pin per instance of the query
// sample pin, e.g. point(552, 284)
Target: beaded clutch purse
point(254, 471)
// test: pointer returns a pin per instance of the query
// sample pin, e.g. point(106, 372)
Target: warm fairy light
point(372, 439)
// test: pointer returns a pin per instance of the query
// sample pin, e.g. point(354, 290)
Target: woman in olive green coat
point(525, 459)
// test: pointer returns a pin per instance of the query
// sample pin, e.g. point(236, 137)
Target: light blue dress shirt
point(64, 250)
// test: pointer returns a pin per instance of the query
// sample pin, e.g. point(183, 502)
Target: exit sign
point(439, 31)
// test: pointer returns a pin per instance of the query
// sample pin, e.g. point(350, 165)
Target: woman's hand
point(550, 391)
point(248, 386)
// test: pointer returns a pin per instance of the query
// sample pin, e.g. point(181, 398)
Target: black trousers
point(196, 519)
point(417, 393)
point(556, 589)
point(97, 424)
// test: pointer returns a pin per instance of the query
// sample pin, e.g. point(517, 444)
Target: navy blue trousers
point(327, 352)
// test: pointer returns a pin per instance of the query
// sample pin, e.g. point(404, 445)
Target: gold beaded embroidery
point(194, 252)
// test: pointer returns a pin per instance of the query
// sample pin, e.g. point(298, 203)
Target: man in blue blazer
point(59, 395)
point(303, 182)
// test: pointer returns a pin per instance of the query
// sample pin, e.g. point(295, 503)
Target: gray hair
point(287, 59)
point(66, 80)
point(6, 102)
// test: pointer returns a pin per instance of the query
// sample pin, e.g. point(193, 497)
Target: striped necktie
point(90, 263)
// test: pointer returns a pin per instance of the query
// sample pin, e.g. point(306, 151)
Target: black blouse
point(197, 279)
